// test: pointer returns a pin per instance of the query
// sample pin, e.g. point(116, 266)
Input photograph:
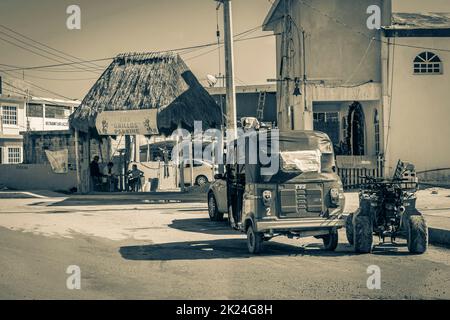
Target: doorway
point(356, 130)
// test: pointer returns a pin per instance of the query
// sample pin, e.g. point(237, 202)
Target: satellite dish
point(211, 80)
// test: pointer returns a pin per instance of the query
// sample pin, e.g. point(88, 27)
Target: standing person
point(96, 175)
point(134, 178)
point(165, 155)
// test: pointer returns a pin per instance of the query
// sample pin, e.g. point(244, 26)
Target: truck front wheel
point(349, 228)
point(330, 241)
point(213, 210)
point(255, 240)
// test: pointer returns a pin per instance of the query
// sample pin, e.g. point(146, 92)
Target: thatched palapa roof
point(148, 81)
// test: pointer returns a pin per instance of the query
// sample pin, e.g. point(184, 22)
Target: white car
point(203, 172)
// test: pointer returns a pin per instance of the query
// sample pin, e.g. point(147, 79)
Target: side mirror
point(218, 176)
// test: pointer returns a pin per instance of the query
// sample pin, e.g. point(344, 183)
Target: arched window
point(376, 124)
point(427, 63)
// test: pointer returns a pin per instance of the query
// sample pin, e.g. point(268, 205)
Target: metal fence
point(353, 169)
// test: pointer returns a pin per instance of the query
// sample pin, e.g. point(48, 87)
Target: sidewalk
point(434, 203)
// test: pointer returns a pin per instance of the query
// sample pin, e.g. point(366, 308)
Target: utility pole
point(229, 66)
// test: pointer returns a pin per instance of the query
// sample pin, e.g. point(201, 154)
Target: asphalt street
point(170, 250)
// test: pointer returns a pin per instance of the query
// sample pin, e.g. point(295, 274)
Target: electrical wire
point(390, 98)
point(363, 58)
point(337, 21)
point(179, 50)
point(44, 45)
point(64, 59)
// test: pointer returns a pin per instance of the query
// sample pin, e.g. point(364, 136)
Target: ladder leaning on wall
point(261, 105)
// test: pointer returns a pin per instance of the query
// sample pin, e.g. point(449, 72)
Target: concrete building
point(13, 115)
point(418, 121)
point(376, 92)
point(19, 114)
point(249, 99)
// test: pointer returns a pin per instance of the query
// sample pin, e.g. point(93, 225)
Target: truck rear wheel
point(213, 211)
point(362, 233)
point(417, 232)
point(349, 228)
point(255, 240)
point(330, 241)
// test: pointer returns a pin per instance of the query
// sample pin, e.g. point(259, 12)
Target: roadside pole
point(229, 69)
point(77, 160)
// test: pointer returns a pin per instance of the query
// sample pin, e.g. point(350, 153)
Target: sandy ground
point(160, 251)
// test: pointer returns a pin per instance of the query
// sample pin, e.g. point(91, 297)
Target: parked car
point(304, 197)
point(203, 172)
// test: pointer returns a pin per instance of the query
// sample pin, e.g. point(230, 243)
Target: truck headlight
point(267, 198)
point(335, 196)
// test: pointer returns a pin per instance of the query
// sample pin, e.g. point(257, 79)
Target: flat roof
point(58, 102)
point(270, 87)
point(11, 98)
point(428, 24)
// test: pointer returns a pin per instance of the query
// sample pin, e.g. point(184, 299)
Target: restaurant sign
point(130, 122)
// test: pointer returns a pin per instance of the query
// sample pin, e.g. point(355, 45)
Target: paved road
point(171, 250)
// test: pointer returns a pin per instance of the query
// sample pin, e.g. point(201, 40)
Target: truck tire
point(417, 234)
point(349, 228)
point(330, 241)
point(362, 233)
point(255, 240)
point(213, 211)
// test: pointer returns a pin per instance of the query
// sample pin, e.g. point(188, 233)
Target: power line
point(39, 87)
point(112, 58)
point(42, 50)
point(44, 45)
point(337, 21)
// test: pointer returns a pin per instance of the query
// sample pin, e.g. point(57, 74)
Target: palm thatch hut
point(140, 81)
point(156, 87)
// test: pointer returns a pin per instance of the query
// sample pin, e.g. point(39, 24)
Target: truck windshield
point(304, 161)
point(306, 152)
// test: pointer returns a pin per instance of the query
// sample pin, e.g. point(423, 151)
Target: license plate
point(300, 187)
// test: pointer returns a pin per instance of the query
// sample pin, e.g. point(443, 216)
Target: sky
point(110, 27)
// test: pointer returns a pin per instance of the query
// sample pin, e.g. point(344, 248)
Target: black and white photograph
point(225, 155)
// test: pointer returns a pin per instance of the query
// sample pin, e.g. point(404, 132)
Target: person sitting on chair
point(95, 173)
point(110, 177)
point(134, 178)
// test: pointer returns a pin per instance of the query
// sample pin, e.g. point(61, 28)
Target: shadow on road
point(98, 199)
point(222, 249)
point(203, 225)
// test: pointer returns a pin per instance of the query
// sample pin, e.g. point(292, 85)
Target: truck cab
point(296, 194)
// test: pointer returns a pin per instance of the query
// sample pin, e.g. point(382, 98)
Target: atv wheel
point(417, 232)
point(330, 241)
point(349, 228)
point(362, 233)
point(255, 240)
point(213, 211)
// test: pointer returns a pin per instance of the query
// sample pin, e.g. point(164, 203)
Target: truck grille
point(301, 200)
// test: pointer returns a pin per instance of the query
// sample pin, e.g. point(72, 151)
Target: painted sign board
point(130, 122)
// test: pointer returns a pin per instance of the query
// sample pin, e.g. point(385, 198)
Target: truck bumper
point(301, 224)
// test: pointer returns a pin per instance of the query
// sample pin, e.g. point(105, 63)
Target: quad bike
point(387, 208)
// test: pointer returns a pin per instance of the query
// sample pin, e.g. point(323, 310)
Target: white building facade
point(417, 124)
point(19, 114)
